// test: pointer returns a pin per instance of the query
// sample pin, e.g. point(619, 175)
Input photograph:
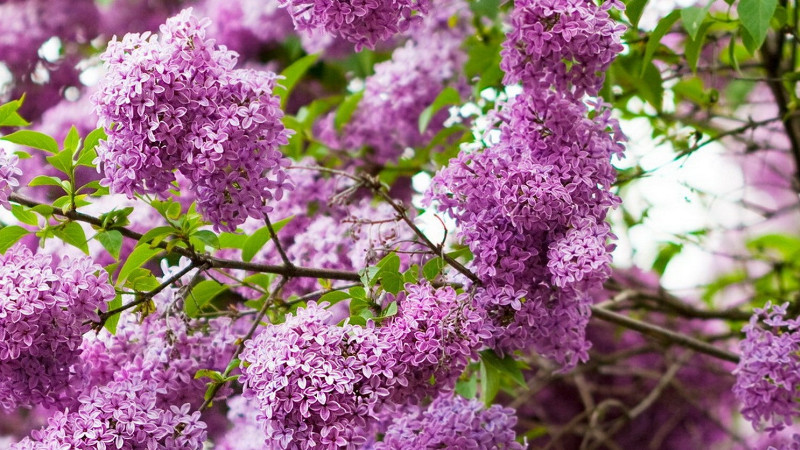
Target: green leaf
point(24, 215)
point(506, 366)
point(278, 226)
point(155, 236)
point(111, 322)
point(755, 16)
point(634, 9)
point(448, 96)
point(44, 180)
point(782, 246)
point(72, 233)
point(392, 282)
point(433, 268)
point(33, 139)
point(334, 297)
point(138, 257)
point(254, 243)
point(62, 161)
point(231, 240)
point(72, 140)
point(10, 235)
point(358, 292)
point(211, 374)
point(389, 264)
point(693, 18)
point(665, 255)
point(200, 295)
point(9, 116)
point(208, 237)
point(345, 111)
point(490, 383)
point(486, 8)
point(467, 388)
point(694, 46)
point(92, 139)
point(390, 310)
point(112, 241)
point(261, 279)
point(291, 75)
point(654, 39)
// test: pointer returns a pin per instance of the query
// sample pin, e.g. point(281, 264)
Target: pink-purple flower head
point(9, 177)
point(175, 102)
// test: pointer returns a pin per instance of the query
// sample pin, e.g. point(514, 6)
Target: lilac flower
point(768, 374)
point(567, 44)
point(316, 384)
point(532, 209)
point(9, 177)
point(176, 103)
point(363, 23)
point(45, 307)
point(432, 338)
point(452, 422)
point(122, 415)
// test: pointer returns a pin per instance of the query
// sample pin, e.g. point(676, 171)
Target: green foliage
point(200, 295)
point(10, 235)
point(755, 16)
point(291, 75)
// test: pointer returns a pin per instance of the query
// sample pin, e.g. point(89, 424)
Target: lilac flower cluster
point(44, 309)
point(433, 337)
point(566, 44)
point(387, 118)
point(768, 374)
point(320, 384)
point(363, 23)
point(176, 102)
point(532, 207)
point(316, 384)
point(120, 415)
point(246, 432)
point(532, 210)
point(453, 422)
point(9, 177)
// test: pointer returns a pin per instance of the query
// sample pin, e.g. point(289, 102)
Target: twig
point(274, 236)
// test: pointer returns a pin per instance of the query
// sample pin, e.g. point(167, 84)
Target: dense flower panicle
point(566, 44)
point(387, 118)
point(768, 374)
point(176, 102)
point(452, 421)
point(433, 337)
point(120, 415)
point(362, 23)
point(9, 177)
point(532, 209)
point(44, 309)
point(316, 384)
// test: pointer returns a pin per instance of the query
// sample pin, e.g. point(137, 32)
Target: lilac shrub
point(176, 102)
point(45, 308)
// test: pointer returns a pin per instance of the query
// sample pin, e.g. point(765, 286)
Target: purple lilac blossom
point(46, 306)
point(362, 23)
point(120, 415)
point(768, 374)
point(176, 102)
point(316, 384)
point(566, 44)
point(452, 421)
point(433, 337)
point(387, 118)
point(532, 210)
point(246, 25)
point(9, 177)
